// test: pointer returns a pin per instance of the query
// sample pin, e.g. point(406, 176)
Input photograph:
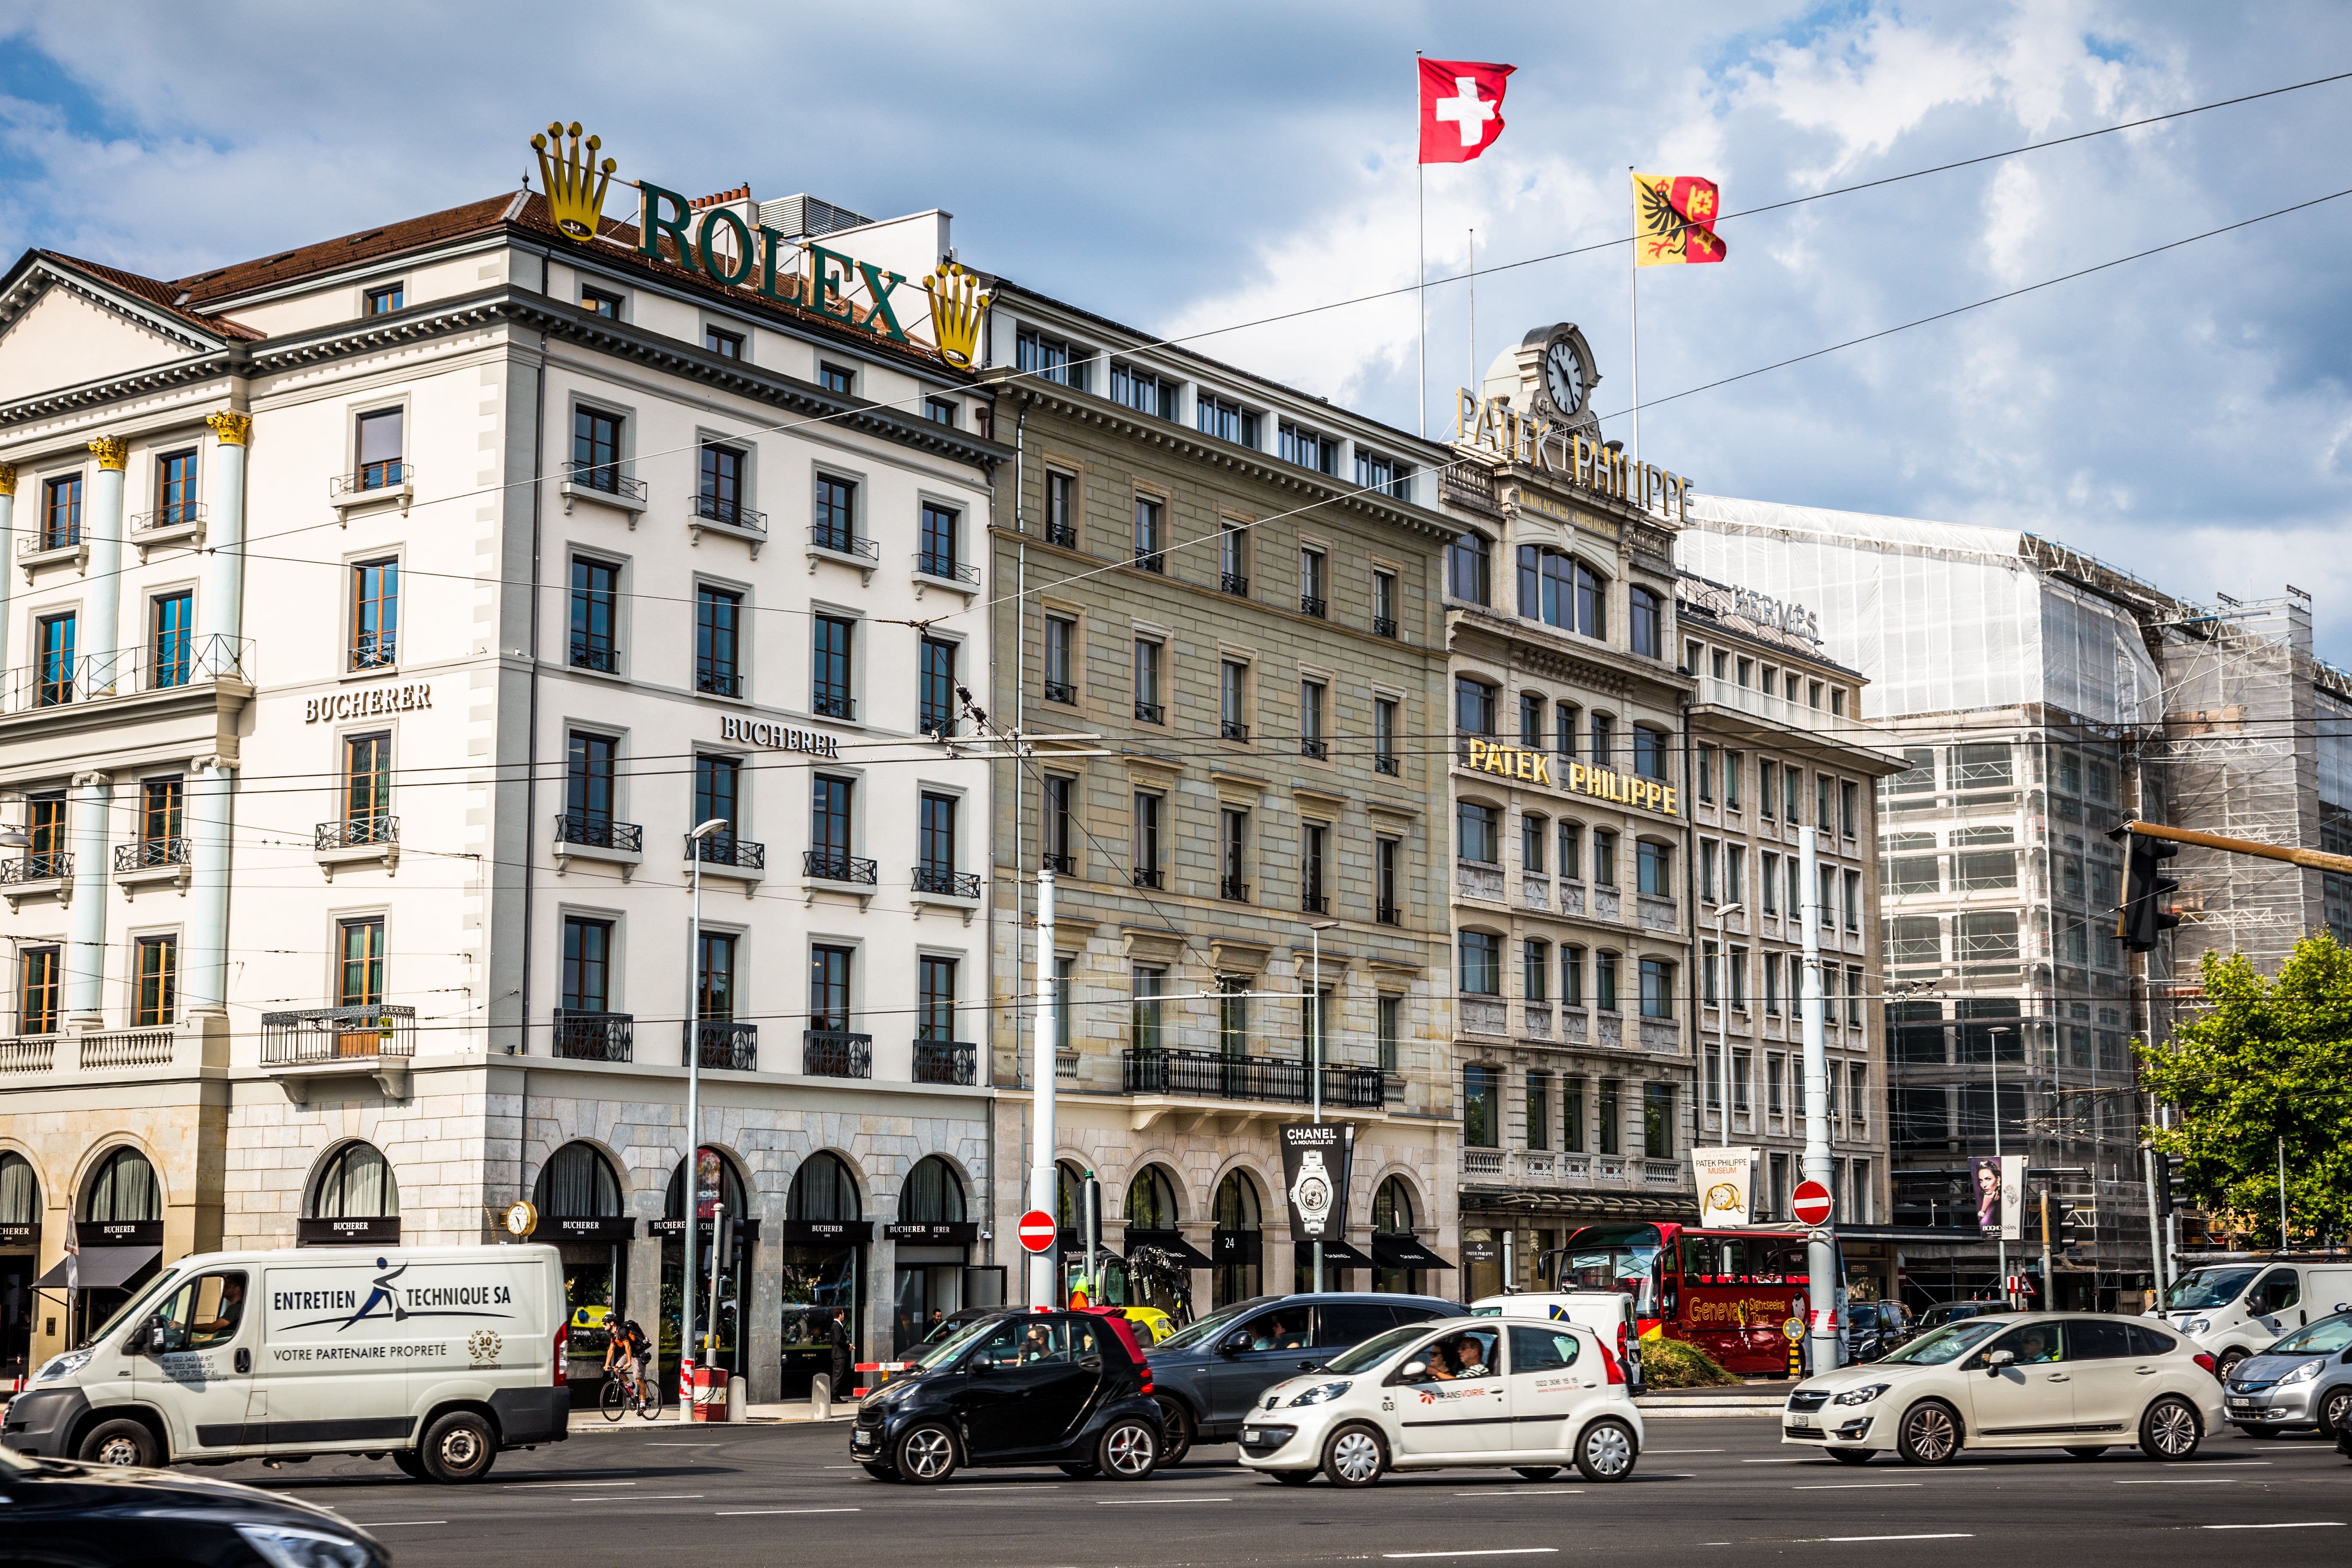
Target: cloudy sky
point(2186, 416)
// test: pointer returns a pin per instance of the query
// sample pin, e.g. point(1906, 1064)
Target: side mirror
point(1999, 1358)
point(155, 1336)
point(1412, 1369)
point(1234, 1344)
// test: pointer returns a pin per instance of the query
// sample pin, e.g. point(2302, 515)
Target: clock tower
point(1550, 375)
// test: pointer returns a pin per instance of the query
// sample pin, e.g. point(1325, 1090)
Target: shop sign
point(953, 1233)
point(778, 737)
point(368, 701)
point(1767, 611)
point(1532, 441)
point(354, 1232)
point(1722, 1177)
point(120, 1233)
point(601, 1227)
point(19, 1234)
point(1538, 767)
point(819, 1231)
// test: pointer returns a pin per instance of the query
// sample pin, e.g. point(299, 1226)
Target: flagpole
point(1633, 316)
point(1471, 272)
point(1420, 256)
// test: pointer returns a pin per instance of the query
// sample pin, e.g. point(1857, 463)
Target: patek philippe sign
point(1576, 778)
point(1724, 1176)
point(1316, 1156)
point(778, 737)
point(368, 701)
point(1534, 442)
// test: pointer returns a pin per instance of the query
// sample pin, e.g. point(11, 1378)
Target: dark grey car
point(1209, 1373)
point(2303, 1382)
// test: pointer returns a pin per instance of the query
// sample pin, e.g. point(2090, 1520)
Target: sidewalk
point(1745, 1399)
point(592, 1420)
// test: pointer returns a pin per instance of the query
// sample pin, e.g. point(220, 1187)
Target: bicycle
point(626, 1390)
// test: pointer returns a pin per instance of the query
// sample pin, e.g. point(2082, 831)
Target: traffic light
point(2171, 1185)
point(2147, 906)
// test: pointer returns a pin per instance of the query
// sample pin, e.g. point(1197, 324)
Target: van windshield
point(136, 1305)
point(2208, 1286)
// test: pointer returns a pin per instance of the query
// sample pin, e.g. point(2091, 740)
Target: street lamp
point(693, 1183)
point(1723, 1001)
point(1314, 1049)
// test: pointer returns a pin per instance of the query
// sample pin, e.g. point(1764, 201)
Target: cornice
point(43, 274)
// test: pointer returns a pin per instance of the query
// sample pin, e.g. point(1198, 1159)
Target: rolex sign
point(1315, 1160)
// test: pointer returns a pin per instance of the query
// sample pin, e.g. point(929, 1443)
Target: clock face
point(1564, 377)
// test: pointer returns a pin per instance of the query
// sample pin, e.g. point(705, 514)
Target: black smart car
point(1208, 1374)
point(64, 1514)
point(1017, 1387)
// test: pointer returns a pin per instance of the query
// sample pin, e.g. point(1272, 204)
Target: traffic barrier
point(711, 1393)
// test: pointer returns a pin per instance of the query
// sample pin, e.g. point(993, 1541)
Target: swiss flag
point(1461, 108)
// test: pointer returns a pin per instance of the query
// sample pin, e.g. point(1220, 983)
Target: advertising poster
point(1725, 1177)
point(706, 1182)
point(2000, 1185)
point(1314, 1162)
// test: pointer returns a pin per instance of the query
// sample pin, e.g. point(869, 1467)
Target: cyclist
point(632, 1353)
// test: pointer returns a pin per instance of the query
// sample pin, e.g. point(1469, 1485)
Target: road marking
point(2182, 1481)
point(1776, 1462)
point(1949, 1535)
point(1527, 1491)
point(1688, 1451)
point(561, 1485)
point(1131, 1501)
point(388, 1523)
point(714, 1445)
point(2300, 1525)
point(649, 1496)
point(1854, 1486)
point(739, 1513)
point(1486, 1551)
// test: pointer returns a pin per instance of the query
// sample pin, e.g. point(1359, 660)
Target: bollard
point(821, 1397)
point(735, 1398)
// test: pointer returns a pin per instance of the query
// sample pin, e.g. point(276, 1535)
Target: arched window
point(20, 1191)
point(822, 1189)
point(933, 1194)
point(122, 1189)
point(1393, 1215)
point(577, 1182)
point(1237, 1244)
point(1151, 1200)
point(730, 1191)
point(355, 1183)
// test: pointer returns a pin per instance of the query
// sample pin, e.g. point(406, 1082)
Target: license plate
point(862, 1440)
point(1801, 1420)
point(2242, 1404)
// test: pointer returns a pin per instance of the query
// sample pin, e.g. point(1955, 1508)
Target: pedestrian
point(844, 1354)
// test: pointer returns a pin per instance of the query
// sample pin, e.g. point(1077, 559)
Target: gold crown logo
point(957, 309)
point(575, 184)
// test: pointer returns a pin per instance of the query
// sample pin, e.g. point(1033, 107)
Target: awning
point(1171, 1242)
point(1335, 1255)
point(1404, 1252)
point(102, 1267)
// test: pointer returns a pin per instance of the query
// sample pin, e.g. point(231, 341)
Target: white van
point(1608, 1313)
point(2238, 1307)
point(437, 1357)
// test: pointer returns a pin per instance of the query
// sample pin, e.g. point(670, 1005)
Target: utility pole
point(2049, 1290)
point(693, 1183)
point(1314, 1066)
point(1821, 1255)
point(1043, 1193)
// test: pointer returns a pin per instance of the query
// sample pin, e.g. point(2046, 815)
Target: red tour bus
point(1727, 1292)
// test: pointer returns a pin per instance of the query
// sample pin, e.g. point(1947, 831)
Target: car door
point(2030, 1398)
point(2112, 1383)
point(1552, 1378)
point(1444, 1411)
point(203, 1377)
point(1021, 1390)
point(1255, 1356)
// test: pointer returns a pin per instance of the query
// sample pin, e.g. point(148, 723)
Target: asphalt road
point(765, 1494)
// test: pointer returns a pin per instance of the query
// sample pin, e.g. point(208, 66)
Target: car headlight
point(2197, 1326)
point(1862, 1395)
point(2305, 1372)
point(285, 1546)
point(64, 1365)
point(1321, 1394)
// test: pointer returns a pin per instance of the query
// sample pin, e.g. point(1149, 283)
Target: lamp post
point(693, 1184)
point(1315, 1048)
point(1723, 1000)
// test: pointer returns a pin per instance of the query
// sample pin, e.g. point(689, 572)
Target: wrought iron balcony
point(1382, 626)
point(718, 849)
point(335, 1034)
point(833, 1053)
point(598, 654)
point(952, 884)
point(1148, 876)
point(1212, 1076)
point(1234, 889)
point(934, 563)
point(170, 514)
point(600, 832)
point(1150, 713)
point(384, 476)
point(584, 1036)
point(1061, 691)
point(45, 538)
point(719, 682)
point(1153, 561)
point(44, 865)
point(723, 1044)
point(357, 832)
point(610, 479)
point(1387, 764)
point(147, 853)
point(162, 663)
point(729, 513)
point(1233, 583)
point(1063, 534)
point(1388, 915)
point(1315, 902)
point(827, 865)
point(834, 705)
point(1061, 865)
point(1232, 730)
point(375, 650)
point(946, 1062)
point(936, 725)
point(1314, 747)
point(1309, 605)
point(842, 542)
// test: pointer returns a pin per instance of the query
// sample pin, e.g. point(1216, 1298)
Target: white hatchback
point(1524, 1394)
point(2077, 1381)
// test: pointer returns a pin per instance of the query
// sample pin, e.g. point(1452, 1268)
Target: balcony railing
point(128, 1049)
point(584, 1036)
point(729, 513)
point(952, 884)
point(1471, 485)
point(1150, 713)
point(375, 650)
point(1212, 1076)
point(173, 514)
point(598, 833)
point(1309, 605)
point(1387, 764)
point(1388, 914)
point(723, 1045)
point(1061, 865)
point(1315, 902)
point(842, 542)
point(932, 564)
point(147, 853)
point(1383, 627)
point(1314, 747)
point(28, 1054)
point(719, 682)
point(1232, 730)
point(1148, 876)
point(1233, 583)
point(1234, 889)
point(832, 1052)
point(44, 539)
point(1063, 534)
point(832, 705)
point(611, 479)
point(336, 1034)
point(1153, 561)
point(599, 654)
point(384, 476)
point(356, 832)
point(743, 854)
point(827, 865)
point(164, 664)
point(946, 1062)
point(1061, 691)
point(46, 865)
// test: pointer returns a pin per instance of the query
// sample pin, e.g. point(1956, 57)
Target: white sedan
point(2081, 1382)
point(1527, 1396)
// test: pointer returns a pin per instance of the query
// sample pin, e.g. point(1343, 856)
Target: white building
point(381, 616)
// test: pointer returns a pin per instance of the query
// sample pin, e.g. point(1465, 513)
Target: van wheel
point(410, 1465)
point(1179, 1423)
point(2169, 1430)
point(1930, 1434)
point(457, 1448)
point(119, 1442)
point(927, 1455)
point(1355, 1457)
point(2228, 1364)
point(1606, 1451)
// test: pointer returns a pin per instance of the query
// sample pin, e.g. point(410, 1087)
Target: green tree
point(2267, 1059)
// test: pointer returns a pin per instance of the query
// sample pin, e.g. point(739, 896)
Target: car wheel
point(1354, 1456)
point(2228, 1364)
point(119, 1442)
point(1606, 1451)
point(2086, 1453)
point(410, 1465)
point(1537, 1472)
point(1293, 1478)
point(2335, 1409)
point(1128, 1450)
point(1179, 1423)
point(457, 1448)
point(1929, 1434)
point(927, 1455)
point(2169, 1429)
point(880, 1472)
point(1849, 1456)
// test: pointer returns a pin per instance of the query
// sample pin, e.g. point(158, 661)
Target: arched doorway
point(1152, 1211)
point(1237, 1243)
point(1392, 1222)
point(120, 1235)
point(824, 1242)
point(20, 1251)
point(354, 1200)
point(932, 1239)
point(719, 1196)
point(580, 1212)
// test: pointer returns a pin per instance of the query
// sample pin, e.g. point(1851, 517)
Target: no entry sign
point(1037, 1230)
point(1810, 1203)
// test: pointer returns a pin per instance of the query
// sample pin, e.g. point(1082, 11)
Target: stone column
point(7, 549)
point(86, 956)
point(223, 605)
point(101, 527)
point(211, 806)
